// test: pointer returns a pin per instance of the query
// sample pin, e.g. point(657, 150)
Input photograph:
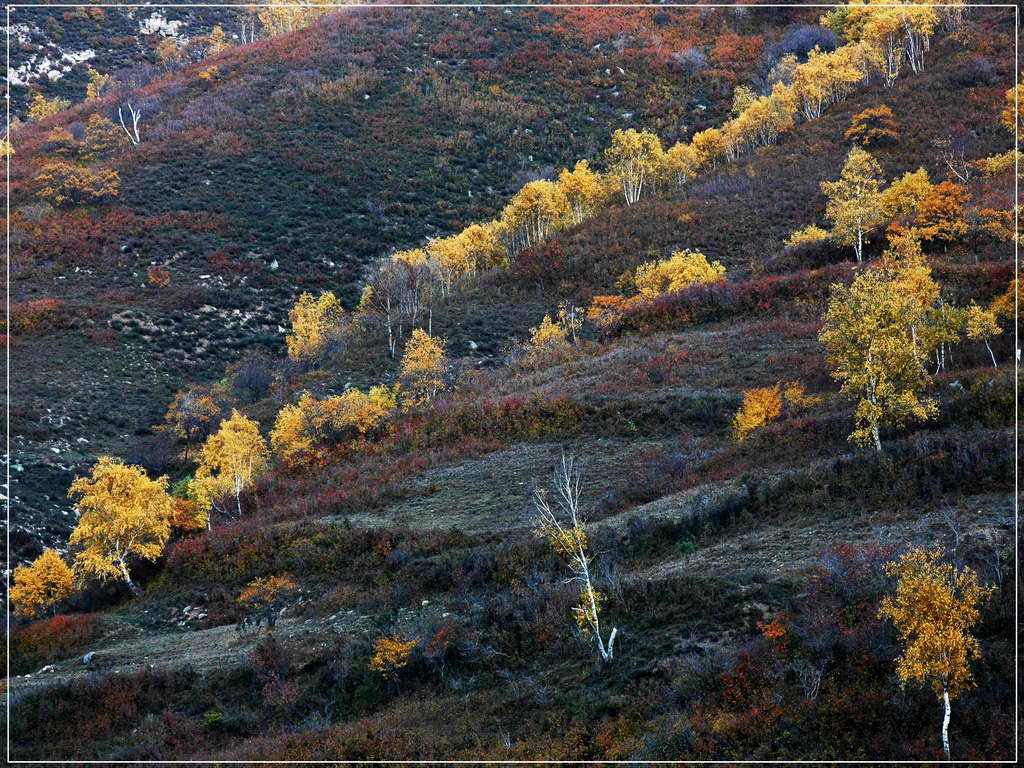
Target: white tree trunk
point(611, 643)
point(127, 577)
point(133, 131)
point(391, 334)
point(238, 495)
point(994, 363)
point(945, 723)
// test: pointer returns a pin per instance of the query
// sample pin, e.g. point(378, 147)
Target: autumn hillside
point(292, 163)
point(435, 442)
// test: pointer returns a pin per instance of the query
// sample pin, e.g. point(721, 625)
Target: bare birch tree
point(131, 127)
point(563, 525)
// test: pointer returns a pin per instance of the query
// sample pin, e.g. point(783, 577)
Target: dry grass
point(492, 493)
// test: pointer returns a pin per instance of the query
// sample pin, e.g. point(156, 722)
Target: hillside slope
point(743, 577)
point(283, 173)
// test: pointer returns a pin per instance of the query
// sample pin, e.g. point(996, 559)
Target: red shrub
point(227, 261)
point(103, 338)
point(37, 316)
point(44, 642)
point(541, 263)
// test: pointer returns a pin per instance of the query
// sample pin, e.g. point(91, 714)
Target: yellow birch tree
point(122, 514)
point(855, 201)
point(934, 609)
point(231, 459)
point(873, 333)
point(41, 585)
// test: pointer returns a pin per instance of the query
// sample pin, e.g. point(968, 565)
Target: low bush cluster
point(798, 295)
point(43, 642)
point(922, 469)
point(38, 316)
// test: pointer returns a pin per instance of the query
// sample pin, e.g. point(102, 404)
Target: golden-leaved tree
point(481, 248)
point(268, 596)
point(415, 283)
point(424, 365)
point(633, 158)
point(708, 148)
point(231, 459)
point(102, 139)
point(61, 143)
point(473, 250)
point(904, 196)
point(899, 34)
point(934, 609)
point(940, 216)
point(875, 125)
point(41, 585)
point(277, 20)
point(812, 233)
point(854, 203)
point(547, 337)
point(391, 655)
point(99, 85)
point(316, 323)
point(680, 164)
point(1005, 304)
point(826, 78)
point(584, 190)
point(192, 415)
point(763, 405)
point(62, 183)
point(122, 514)
point(361, 412)
point(982, 325)
point(554, 335)
point(681, 270)
point(874, 333)
point(299, 427)
point(40, 107)
point(1012, 116)
point(217, 41)
point(742, 97)
point(533, 213)
point(291, 438)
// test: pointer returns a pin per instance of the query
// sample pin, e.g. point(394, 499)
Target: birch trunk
point(128, 579)
point(993, 354)
point(945, 723)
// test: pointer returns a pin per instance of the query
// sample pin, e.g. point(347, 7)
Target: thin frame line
point(496, 5)
point(1016, 382)
point(13, 6)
